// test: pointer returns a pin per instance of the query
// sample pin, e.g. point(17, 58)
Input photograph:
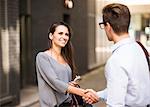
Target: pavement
point(94, 79)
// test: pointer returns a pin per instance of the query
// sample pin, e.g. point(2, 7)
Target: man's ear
point(50, 36)
point(108, 26)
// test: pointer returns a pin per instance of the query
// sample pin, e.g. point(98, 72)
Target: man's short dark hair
point(118, 16)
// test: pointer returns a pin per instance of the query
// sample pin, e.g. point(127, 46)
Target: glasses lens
point(101, 25)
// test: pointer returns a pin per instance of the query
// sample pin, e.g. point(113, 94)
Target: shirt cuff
point(102, 95)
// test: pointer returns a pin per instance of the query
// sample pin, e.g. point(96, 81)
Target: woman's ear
point(50, 36)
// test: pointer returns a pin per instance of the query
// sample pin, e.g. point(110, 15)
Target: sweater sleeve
point(44, 67)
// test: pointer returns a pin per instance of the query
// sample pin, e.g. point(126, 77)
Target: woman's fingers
point(90, 96)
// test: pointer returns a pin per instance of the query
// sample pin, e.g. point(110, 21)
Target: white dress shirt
point(127, 75)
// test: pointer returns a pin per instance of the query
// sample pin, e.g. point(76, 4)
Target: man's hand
point(90, 96)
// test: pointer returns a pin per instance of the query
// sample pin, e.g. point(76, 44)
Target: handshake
point(90, 96)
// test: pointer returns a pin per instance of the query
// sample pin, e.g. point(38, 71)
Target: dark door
point(27, 76)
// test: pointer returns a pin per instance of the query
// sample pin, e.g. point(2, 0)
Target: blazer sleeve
point(48, 74)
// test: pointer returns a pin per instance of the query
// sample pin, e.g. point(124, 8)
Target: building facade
point(23, 33)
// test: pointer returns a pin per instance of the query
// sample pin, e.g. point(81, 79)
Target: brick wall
point(10, 51)
point(14, 48)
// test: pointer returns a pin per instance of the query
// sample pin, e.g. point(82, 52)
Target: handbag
point(77, 101)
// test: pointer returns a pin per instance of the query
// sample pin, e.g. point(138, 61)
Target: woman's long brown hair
point(67, 51)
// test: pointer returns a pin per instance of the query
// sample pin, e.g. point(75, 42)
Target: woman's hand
point(90, 96)
point(73, 83)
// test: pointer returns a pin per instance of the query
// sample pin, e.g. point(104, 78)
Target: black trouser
point(70, 104)
point(65, 104)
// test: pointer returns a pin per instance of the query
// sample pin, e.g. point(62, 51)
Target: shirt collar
point(121, 43)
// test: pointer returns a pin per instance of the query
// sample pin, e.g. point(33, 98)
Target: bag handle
point(146, 53)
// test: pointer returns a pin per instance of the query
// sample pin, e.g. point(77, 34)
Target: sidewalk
point(92, 80)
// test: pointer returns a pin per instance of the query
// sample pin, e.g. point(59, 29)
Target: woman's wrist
point(75, 90)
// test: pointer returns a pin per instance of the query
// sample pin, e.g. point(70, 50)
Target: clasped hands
point(89, 95)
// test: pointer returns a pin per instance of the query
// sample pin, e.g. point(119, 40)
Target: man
point(126, 71)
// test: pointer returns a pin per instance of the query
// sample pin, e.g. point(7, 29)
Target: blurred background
point(23, 33)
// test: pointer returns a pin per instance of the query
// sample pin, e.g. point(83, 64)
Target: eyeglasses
point(102, 25)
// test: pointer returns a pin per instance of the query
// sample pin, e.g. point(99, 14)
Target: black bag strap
point(147, 57)
point(146, 53)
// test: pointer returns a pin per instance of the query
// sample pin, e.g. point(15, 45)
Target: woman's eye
point(67, 34)
point(60, 33)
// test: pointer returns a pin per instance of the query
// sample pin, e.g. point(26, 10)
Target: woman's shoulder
point(41, 55)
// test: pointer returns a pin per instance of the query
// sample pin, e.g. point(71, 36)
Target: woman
point(55, 69)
